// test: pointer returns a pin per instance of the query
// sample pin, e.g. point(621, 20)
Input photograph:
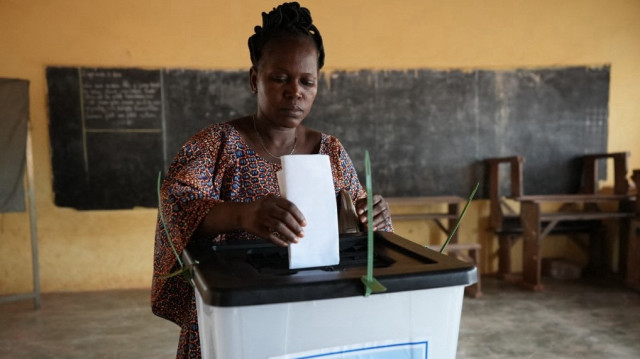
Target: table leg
point(453, 208)
point(505, 243)
point(632, 275)
point(475, 290)
point(596, 251)
point(531, 258)
point(625, 226)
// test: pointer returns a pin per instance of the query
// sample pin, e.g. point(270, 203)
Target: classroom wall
point(95, 250)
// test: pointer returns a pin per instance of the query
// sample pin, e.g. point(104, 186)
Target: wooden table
point(508, 222)
point(584, 207)
point(445, 220)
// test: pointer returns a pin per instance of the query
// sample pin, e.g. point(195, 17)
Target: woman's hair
point(288, 19)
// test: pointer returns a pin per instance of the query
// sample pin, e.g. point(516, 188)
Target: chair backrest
point(590, 172)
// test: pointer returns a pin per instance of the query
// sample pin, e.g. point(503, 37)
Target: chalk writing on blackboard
point(108, 130)
point(113, 100)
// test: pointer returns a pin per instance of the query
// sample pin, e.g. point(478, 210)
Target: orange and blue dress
point(217, 165)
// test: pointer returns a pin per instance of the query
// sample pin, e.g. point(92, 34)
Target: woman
point(222, 183)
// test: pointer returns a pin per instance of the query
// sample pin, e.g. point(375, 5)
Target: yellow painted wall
point(113, 249)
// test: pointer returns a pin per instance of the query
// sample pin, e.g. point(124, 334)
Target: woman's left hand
point(381, 213)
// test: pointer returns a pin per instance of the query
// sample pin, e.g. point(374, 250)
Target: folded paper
point(306, 180)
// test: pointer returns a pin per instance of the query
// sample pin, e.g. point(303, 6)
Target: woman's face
point(286, 80)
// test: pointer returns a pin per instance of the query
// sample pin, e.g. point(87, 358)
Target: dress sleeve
point(190, 189)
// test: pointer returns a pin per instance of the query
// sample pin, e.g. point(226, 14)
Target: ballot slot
point(353, 253)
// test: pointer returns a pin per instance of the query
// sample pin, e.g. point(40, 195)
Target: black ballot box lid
point(251, 273)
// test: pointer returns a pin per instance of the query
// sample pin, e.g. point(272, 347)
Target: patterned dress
point(217, 165)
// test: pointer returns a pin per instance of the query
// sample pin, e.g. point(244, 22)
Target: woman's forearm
point(271, 217)
point(223, 217)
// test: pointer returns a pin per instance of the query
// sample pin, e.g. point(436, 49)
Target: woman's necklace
point(295, 141)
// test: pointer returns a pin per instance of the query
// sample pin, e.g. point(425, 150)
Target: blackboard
point(14, 116)
point(112, 130)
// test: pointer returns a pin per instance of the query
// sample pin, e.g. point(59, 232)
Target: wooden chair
point(633, 258)
point(508, 222)
point(590, 172)
point(621, 187)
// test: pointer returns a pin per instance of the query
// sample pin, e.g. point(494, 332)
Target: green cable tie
point(371, 284)
point(464, 210)
point(182, 269)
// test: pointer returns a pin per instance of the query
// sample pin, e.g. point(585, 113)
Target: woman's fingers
point(290, 212)
point(281, 231)
point(282, 221)
point(380, 220)
point(274, 237)
point(381, 213)
point(288, 219)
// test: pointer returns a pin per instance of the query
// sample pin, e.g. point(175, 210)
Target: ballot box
point(251, 305)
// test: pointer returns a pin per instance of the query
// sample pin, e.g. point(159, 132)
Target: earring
point(254, 91)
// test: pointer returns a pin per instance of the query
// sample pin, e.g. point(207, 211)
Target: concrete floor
point(571, 319)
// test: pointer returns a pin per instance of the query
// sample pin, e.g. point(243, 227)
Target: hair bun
point(286, 18)
point(288, 15)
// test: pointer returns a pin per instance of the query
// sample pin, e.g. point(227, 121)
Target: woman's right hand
point(276, 219)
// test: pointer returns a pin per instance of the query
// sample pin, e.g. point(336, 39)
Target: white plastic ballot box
point(251, 305)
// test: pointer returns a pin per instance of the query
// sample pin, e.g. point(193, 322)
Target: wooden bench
point(537, 224)
point(580, 213)
point(445, 220)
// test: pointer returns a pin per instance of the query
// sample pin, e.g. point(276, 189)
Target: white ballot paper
point(306, 180)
